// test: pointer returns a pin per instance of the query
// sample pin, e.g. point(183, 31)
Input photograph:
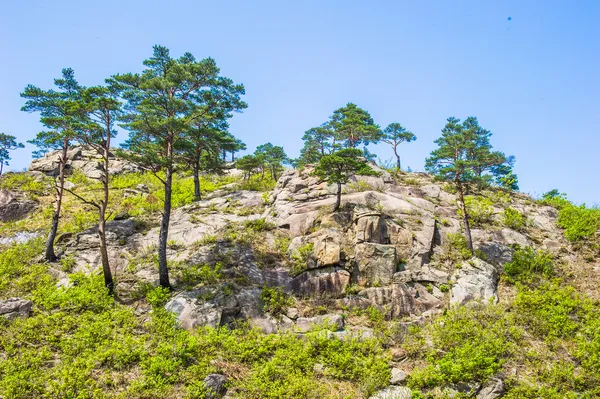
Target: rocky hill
point(377, 300)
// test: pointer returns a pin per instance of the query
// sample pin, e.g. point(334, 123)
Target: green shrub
point(259, 225)
point(514, 219)
point(579, 222)
point(26, 183)
point(455, 247)
point(202, 273)
point(527, 262)
point(275, 300)
point(301, 256)
point(551, 311)
point(467, 344)
point(480, 210)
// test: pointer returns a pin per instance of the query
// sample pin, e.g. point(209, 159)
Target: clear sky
point(529, 70)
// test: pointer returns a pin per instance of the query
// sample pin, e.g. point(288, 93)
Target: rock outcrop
point(84, 159)
point(14, 206)
point(15, 307)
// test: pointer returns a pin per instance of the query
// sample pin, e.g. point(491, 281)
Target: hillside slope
point(277, 297)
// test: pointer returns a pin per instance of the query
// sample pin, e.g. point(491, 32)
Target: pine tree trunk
point(338, 200)
point(398, 165)
point(108, 279)
point(50, 255)
point(197, 193)
point(1, 167)
point(163, 270)
point(463, 208)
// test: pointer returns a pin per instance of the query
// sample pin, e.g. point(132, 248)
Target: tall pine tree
point(163, 103)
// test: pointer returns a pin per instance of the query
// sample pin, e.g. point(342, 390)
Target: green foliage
point(579, 222)
point(158, 296)
point(527, 262)
point(301, 257)
point(7, 143)
point(26, 183)
point(202, 273)
point(468, 344)
point(514, 219)
point(455, 248)
point(260, 224)
point(550, 310)
point(275, 300)
point(80, 343)
point(272, 156)
point(479, 209)
point(341, 165)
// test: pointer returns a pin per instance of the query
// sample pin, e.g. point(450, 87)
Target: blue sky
point(529, 70)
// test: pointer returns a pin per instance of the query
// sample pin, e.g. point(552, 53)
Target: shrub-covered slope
point(277, 297)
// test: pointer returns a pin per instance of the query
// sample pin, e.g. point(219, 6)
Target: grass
point(80, 343)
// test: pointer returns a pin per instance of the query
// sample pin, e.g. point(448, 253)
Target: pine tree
point(464, 156)
point(272, 156)
point(7, 143)
point(395, 134)
point(61, 114)
point(163, 103)
point(100, 111)
point(353, 126)
point(339, 167)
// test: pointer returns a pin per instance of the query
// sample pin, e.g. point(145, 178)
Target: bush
point(480, 210)
point(275, 300)
point(579, 222)
point(513, 219)
point(259, 225)
point(455, 248)
point(550, 311)
point(467, 344)
point(527, 262)
point(301, 257)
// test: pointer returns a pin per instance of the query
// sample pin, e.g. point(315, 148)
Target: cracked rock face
point(15, 307)
point(476, 280)
point(14, 206)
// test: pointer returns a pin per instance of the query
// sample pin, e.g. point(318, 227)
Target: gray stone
point(305, 324)
point(370, 227)
point(214, 384)
point(495, 253)
point(393, 392)
point(398, 376)
point(15, 307)
point(14, 206)
point(492, 389)
point(475, 280)
point(192, 312)
point(321, 282)
point(376, 263)
point(400, 299)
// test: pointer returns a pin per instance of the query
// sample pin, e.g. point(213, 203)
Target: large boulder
point(328, 282)
point(192, 312)
point(15, 307)
point(84, 159)
point(14, 206)
point(370, 227)
point(475, 280)
point(376, 263)
point(400, 299)
point(327, 247)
